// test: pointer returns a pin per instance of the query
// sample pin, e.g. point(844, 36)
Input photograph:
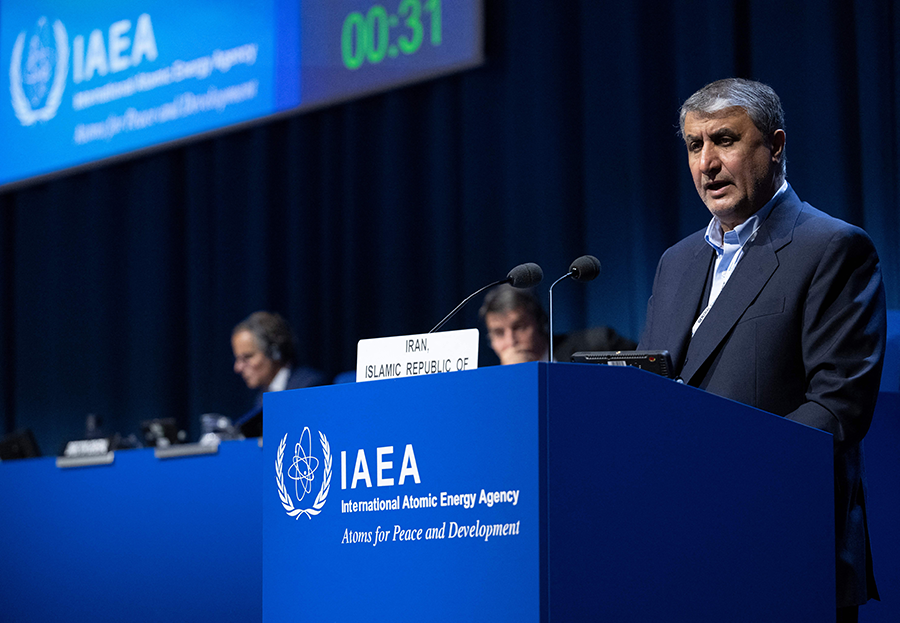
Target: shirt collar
point(280, 381)
point(716, 238)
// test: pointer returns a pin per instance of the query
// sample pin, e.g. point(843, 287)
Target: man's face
point(515, 337)
point(250, 362)
point(732, 164)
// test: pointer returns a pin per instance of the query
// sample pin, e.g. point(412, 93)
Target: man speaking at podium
point(775, 304)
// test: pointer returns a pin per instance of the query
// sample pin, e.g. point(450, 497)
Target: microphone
point(584, 268)
point(525, 275)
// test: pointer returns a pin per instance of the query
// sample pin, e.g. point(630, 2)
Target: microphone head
point(525, 275)
point(585, 268)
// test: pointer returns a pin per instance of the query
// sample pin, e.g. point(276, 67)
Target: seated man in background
point(265, 357)
point(518, 329)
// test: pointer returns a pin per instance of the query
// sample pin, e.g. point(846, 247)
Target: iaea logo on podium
point(302, 471)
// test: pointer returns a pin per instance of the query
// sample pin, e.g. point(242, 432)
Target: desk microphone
point(525, 275)
point(585, 268)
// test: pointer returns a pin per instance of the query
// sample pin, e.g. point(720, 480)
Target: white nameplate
point(87, 447)
point(415, 355)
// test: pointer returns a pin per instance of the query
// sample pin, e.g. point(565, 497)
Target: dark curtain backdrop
point(119, 286)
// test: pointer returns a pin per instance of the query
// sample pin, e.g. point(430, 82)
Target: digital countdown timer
point(86, 83)
point(378, 34)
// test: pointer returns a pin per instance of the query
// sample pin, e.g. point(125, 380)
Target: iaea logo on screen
point(37, 76)
point(303, 470)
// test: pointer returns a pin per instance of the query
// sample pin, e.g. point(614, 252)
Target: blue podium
point(542, 492)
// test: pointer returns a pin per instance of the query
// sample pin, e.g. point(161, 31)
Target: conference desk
point(139, 539)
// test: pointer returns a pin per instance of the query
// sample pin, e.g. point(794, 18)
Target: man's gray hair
point(272, 334)
point(759, 100)
point(505, 298)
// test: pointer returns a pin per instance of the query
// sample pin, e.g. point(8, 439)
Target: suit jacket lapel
point(690, 288)
point(752, 273)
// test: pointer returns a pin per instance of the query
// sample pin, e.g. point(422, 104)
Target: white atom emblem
point(303, 470)
point(37, 91)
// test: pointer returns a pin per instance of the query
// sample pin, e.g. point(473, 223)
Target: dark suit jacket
point(251, 423)
point(799, 331)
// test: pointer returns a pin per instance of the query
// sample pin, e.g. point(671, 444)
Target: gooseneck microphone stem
point(525, 275)
point(584, 268)
point(468, 298)
point(568, 274)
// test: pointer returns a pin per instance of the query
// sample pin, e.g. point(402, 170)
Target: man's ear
point(777, 142)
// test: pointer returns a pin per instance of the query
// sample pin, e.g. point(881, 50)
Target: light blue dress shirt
point(729, 248)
